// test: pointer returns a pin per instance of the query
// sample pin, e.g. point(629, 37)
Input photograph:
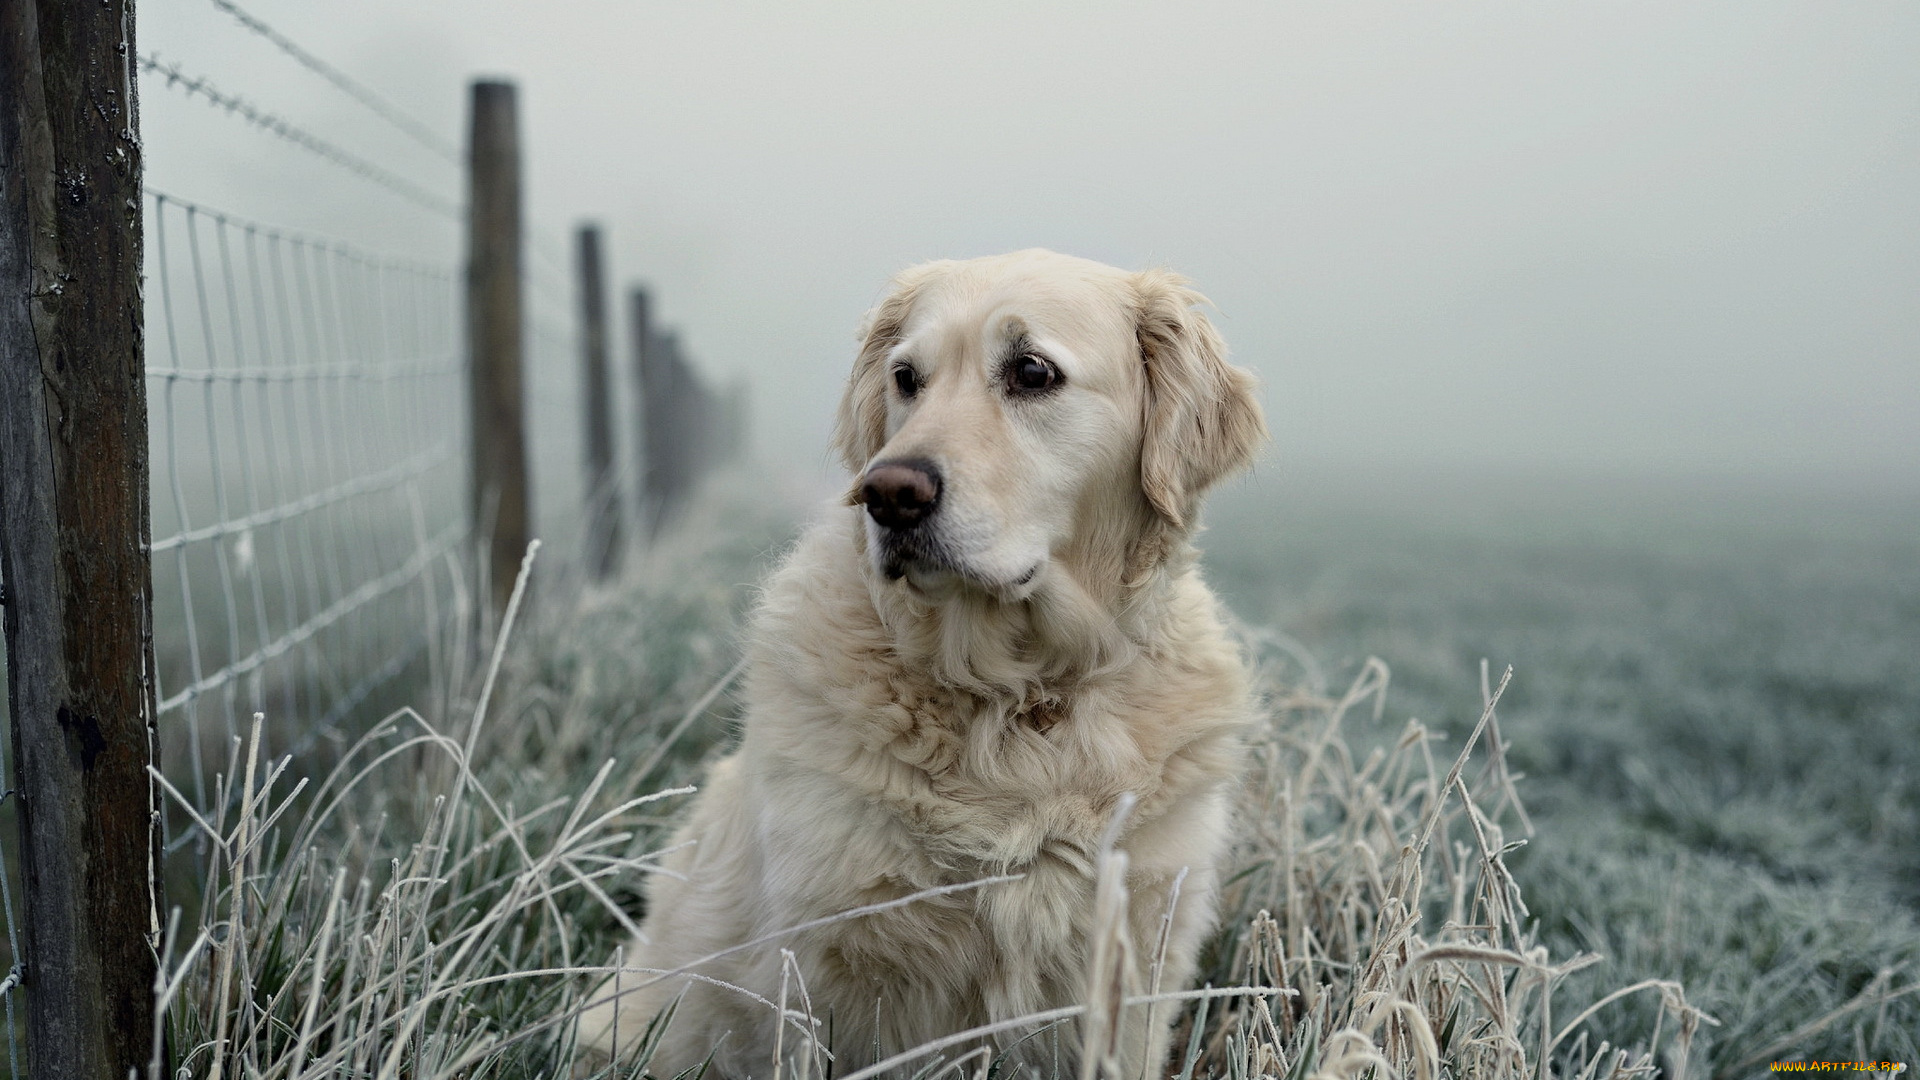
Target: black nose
point(901, 494)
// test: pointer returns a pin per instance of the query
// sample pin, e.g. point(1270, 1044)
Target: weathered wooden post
point(596, 381)
point(673, 425)
point(650, 383)
point(74, 532)
point(495, 338)
point(696, 416)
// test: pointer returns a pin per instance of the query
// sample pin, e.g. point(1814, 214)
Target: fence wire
point(310, 539)
point(307, 418)
point(196, 86)
point(346, 84)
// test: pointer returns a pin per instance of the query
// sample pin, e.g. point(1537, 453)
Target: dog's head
point(1014, 417)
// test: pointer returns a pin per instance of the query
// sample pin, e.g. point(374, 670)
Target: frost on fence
point(306, 418)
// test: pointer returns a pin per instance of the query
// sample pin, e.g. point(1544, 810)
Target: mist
point(1630, 240)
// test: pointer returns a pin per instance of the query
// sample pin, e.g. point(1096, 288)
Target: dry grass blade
point(415, 919)
point(1868, 998)
point(1375, 991)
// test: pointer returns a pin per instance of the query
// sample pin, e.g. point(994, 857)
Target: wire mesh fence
point(306, 435)
point(311, 537)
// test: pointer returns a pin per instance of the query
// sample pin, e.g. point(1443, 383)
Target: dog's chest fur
point(989, 786)
point(965, 782)
point(873, 780)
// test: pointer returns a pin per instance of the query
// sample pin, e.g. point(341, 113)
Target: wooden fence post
point(74, 532)
point(693, 415)
point(495, 338)
point(651, 386)
point(602, 490)
point(673, 425)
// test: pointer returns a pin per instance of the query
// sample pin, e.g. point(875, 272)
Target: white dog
point(964, 675)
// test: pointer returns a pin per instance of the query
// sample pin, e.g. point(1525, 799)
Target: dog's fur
point(975, 695)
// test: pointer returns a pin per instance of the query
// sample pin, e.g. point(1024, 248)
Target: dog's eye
point(906, 381)
point(1031, 374)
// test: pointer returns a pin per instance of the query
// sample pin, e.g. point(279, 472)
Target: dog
point(998, 651)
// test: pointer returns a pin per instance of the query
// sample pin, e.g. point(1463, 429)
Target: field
point(1716, 706)
point(1710, 726)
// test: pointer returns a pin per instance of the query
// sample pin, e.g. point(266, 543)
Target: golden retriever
point(997, 646)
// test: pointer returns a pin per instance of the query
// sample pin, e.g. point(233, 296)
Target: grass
point(432, 905)
point(1715, 711)
point(394, 914)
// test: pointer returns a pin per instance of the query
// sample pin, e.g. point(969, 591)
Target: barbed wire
point(345, 83)
point(266, 121)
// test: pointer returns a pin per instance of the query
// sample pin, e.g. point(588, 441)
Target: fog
point(1632, 239)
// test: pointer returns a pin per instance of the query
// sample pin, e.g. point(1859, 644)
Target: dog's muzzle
point(901, 494)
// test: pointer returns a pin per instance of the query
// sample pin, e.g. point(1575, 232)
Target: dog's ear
point(1203, 419)
point(861, 427)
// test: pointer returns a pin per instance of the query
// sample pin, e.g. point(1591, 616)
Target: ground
point(1716, 704)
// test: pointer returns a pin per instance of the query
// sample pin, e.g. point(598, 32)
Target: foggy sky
point(1621, 238)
